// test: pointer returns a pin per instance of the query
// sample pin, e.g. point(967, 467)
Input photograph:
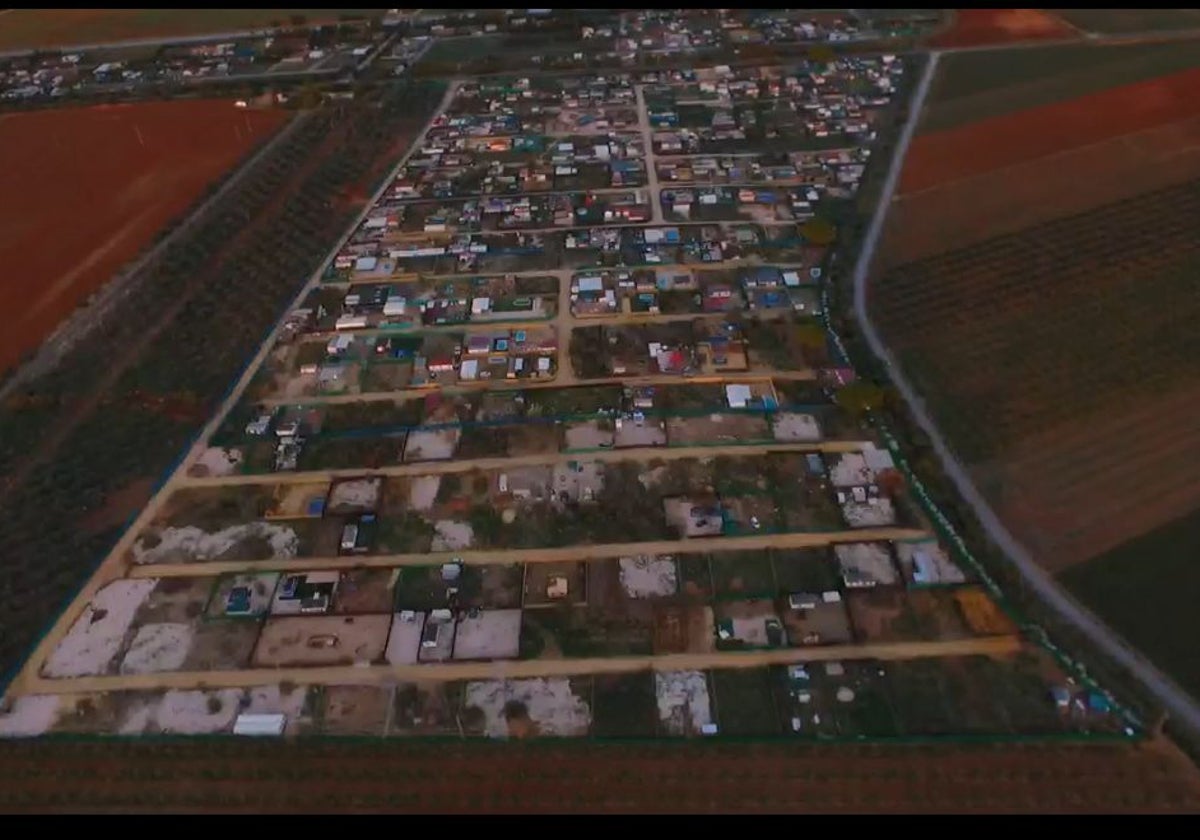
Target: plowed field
point(310, 777)
point(1060, 361)
point(24, 28)
point(976, 27)
point(987, 145)
point(1024, 195)
point(86, 189)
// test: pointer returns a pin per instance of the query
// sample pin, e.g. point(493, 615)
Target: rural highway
point(501, 556)
point(520, 669)
point(1180, 705)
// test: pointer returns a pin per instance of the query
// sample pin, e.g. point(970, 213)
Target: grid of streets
point(556, 443)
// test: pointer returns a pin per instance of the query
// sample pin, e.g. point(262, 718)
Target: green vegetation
point(745, 702)
point(1146, 590)
point(624, 706)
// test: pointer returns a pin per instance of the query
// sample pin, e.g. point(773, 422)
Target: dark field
point(346, 777)
point(1146, 589)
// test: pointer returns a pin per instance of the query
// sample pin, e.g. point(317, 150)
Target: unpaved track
point(114, 563)
point(1181, 705)
point(556, 382)
point(516, 669)
point(484, 557)
point(663, 453)
point(656, 215)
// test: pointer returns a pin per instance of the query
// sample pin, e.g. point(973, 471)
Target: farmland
point(973, 86)
point(303, 776)
point(1123, 110)
point(1085, 152)
point(159, 157)
point(1130, 20)
point(27, 28)
point(1159, 568)
point(977, 27)
point(1060, 361)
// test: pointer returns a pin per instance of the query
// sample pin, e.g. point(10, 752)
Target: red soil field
point(589, 777)
point(977, 27)
point(86, 189)
point(969, 210)
point(982, 146)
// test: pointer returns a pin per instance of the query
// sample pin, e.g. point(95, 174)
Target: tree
point(810, 335)
point(821, 54)
point(818, 231)
point(859, 398)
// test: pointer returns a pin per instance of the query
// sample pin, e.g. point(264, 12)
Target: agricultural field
point(1156, 568)
point(979, 27)
point(1120, 21)
point(27, 28)
point(1060, 361)
point(972, 86)
point(159, 157)
point(253, 776)
point(1030, 166)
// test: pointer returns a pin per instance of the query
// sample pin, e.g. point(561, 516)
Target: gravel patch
point(195, 545)
point(452, 536)
point(30, 716)
point(647, 576)
point(95, 638)
point(158, 647)
point(550, 705)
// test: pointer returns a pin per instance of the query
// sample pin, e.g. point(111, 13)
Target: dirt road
point(517, 669)
point(660, 453)
point(652, 186)
point(539, 384)
point(484, 557)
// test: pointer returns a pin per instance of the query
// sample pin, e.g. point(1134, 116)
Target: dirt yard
point(364, 591)
point(322, 640)
point(354, 709)
point(158, 158)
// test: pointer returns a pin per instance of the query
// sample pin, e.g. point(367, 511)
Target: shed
point(738, 395)
point(248, 724)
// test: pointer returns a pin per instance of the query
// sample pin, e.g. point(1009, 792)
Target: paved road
point(518, 669)
point(114, 563)
point(643, 453)
point(485, 557)
point(1171, 696)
